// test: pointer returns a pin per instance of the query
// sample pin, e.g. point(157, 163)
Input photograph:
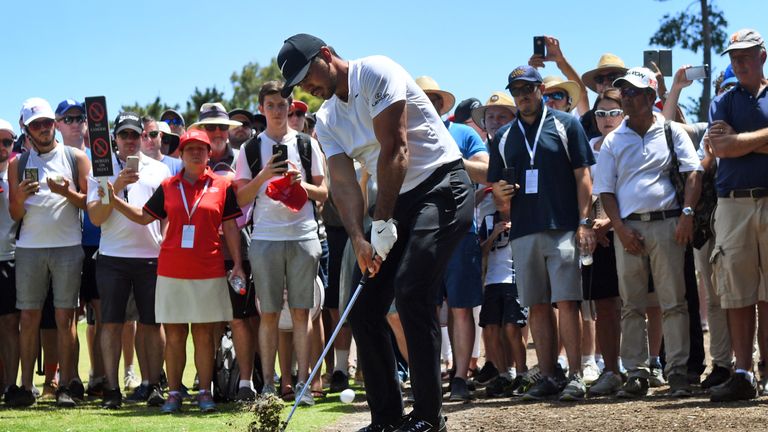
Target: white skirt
point(179, 301)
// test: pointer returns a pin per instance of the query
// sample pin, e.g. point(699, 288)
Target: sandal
point(319, 394)
point(288, 395)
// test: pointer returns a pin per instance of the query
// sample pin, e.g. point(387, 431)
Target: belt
point(746, 193)
point(654, 216)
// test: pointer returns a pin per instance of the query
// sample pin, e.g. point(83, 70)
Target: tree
point(692, 31)
point(198, 98)
point(153, 109)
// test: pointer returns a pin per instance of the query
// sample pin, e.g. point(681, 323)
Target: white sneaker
point(656, 379)
point(590, 372)
point(130, 380)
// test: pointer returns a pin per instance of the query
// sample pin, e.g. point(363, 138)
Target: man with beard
point(240, 134)
point(46, 202)
point(375, 113)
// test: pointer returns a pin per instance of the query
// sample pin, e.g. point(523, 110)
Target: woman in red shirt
point(191, 282)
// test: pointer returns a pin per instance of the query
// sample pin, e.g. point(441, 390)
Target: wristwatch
point(587, 221)
point(688, 211)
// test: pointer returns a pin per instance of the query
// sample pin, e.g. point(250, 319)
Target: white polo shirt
point(375, 83)
point(635, 168)
point(120, 237)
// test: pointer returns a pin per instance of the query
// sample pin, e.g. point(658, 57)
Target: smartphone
point(281, 150)
point(132, 162)
point(665, 62)
point(32, 174)
point(509, 175)
point(697, 72)
point(649, 57)
point(539, 46)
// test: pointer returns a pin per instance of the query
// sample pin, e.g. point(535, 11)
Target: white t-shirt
point(272, 220)
point(634, 168)
point(51, 220)
point(121, 237)
point(7, 226)
point(375, 83)
point(501, 269)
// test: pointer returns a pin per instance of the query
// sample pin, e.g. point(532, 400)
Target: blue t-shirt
point(555, 206)
point(745, 113)
point(173, 164)
point(468, 140)
point(91, 233)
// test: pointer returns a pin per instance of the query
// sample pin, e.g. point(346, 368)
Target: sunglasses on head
point(72, 119)
point(610, 113)
point(213, 127)
point(522, 90)
point(41, 124)
point(608, 78)
point(7, 142)
point(174, 121)
point(296, 113)
point(630, 92)
point(128, 134)
point(558, 96)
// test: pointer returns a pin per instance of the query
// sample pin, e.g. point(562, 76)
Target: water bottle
point(237, 283)
point(585, 258)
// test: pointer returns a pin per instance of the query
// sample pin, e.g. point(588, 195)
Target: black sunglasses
point(213, 127)
point(7, 142)
point(72, 119)
point(523, 90)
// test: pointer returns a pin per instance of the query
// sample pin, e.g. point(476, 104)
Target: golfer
point(375, 113)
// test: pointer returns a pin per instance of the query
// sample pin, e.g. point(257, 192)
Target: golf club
point(327, 348)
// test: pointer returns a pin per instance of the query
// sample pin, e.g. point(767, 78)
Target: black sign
point(98, 132)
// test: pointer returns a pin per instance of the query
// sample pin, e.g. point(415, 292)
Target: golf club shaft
point(327, 348)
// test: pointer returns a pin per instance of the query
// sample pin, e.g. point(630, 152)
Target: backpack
point(226, 378)
point(71, 158)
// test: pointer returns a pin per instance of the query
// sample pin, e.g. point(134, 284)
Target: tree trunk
point(706, 94)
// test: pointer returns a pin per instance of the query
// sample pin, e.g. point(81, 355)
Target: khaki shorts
point(547, 267)
point(285, 265)
point(740, 256)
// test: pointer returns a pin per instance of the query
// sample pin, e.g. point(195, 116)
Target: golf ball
point(347, 396)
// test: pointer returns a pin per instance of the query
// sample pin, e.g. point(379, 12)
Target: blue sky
point(135, 51)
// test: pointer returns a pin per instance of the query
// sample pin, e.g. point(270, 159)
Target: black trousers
point(432, 219)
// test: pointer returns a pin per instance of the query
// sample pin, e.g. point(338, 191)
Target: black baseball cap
point(243, 112)
point(128, 120)
point(295, 57)
point(463, 111)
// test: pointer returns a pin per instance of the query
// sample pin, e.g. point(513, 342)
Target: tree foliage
point(245, 93)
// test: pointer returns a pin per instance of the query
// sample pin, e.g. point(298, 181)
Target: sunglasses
point(213, 127)
point(630, 92)
point(73, 119)
point(610, 113)
point(296, 113)
point(128, 134)
point(41, 124)
point(7, 142)
point(557, 96)
point(153, 134)
point(608, 78)
point(522, 90)
point(174, 122)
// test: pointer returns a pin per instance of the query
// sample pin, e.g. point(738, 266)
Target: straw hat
point(498, 98)
point(608, 62)
point(570, 87)
point(429, 85)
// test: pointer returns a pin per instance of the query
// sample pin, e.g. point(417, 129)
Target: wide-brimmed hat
point(498, 98)
point(429, 85)
point(213, 113)
point(570, 87)
point(607, 62)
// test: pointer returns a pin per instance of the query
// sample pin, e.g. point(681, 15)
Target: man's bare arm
point(390, 127)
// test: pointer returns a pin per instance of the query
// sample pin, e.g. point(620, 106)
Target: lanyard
point(197, 203)
point(532, 151)
point(125, 189)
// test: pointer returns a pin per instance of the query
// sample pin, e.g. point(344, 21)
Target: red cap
point(194, 135)
point(292, 196)
point(299, 105)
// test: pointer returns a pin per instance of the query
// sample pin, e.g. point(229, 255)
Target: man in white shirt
point(151, 143)
point(127, 260)
point(285, 249)
point(376, 114)
point(633, 180)
point(47, 203)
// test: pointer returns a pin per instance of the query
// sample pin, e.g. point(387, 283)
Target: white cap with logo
point(35, 108)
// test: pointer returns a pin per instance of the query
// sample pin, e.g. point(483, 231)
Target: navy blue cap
point(67, 104)
point(295, 57)
point(524, 73)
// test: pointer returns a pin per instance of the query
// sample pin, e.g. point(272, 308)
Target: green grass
point(89, 417)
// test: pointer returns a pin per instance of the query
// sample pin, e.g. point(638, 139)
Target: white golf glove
point(383, 237)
